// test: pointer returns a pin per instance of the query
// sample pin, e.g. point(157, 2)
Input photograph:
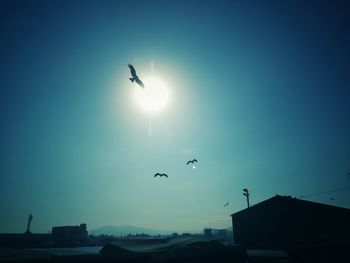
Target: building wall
point(69, 234)
point(283, 220)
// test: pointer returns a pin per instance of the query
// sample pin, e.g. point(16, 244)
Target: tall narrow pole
point(246, 194)
point(30, 218)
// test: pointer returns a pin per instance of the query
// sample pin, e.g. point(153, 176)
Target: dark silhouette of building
point(73, 235)
point(282, 220)
point(220, 234)
point(208, 232)
point(217, 234)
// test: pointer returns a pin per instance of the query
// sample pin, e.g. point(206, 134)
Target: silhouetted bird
point(134, 76)
point(161, 175)
point(227, 203)
point(193, 161)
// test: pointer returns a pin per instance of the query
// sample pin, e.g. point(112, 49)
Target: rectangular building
point(71, 235)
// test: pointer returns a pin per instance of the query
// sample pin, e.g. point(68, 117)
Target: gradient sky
point(260, 95)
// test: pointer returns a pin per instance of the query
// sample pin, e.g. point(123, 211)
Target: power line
point(326, 192)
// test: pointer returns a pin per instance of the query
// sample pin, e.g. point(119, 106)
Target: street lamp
point(246, 194)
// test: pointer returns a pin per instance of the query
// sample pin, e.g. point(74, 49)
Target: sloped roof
point(288, 200)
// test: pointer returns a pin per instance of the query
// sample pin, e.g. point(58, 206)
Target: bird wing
point(132, 70)
point(156, 174)
point(194, 160)
point(165, 175)
point(138, 81)
point(189, 162)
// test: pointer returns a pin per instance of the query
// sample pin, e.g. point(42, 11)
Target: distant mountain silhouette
point(125, 230)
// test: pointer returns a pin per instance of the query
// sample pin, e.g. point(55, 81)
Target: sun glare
point(154, 96)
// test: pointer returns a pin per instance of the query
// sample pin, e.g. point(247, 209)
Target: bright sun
point(154, 97)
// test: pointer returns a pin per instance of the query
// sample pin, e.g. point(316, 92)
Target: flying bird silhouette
point(161, 175)
point(192, 161)
point(134, 76)
point(227, 203)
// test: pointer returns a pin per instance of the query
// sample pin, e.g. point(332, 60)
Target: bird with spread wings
point(134, 76)
point(192, 161)
point(161, 175)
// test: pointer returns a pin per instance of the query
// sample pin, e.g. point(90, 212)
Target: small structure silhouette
point(208, 233)
point(30, 218)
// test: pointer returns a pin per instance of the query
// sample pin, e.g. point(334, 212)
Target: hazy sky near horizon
point(259, 94)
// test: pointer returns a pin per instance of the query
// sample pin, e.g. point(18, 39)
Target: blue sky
point(259, 94)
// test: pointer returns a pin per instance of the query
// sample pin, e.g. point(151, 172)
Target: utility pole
point(246, 194)
point(30, 218)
